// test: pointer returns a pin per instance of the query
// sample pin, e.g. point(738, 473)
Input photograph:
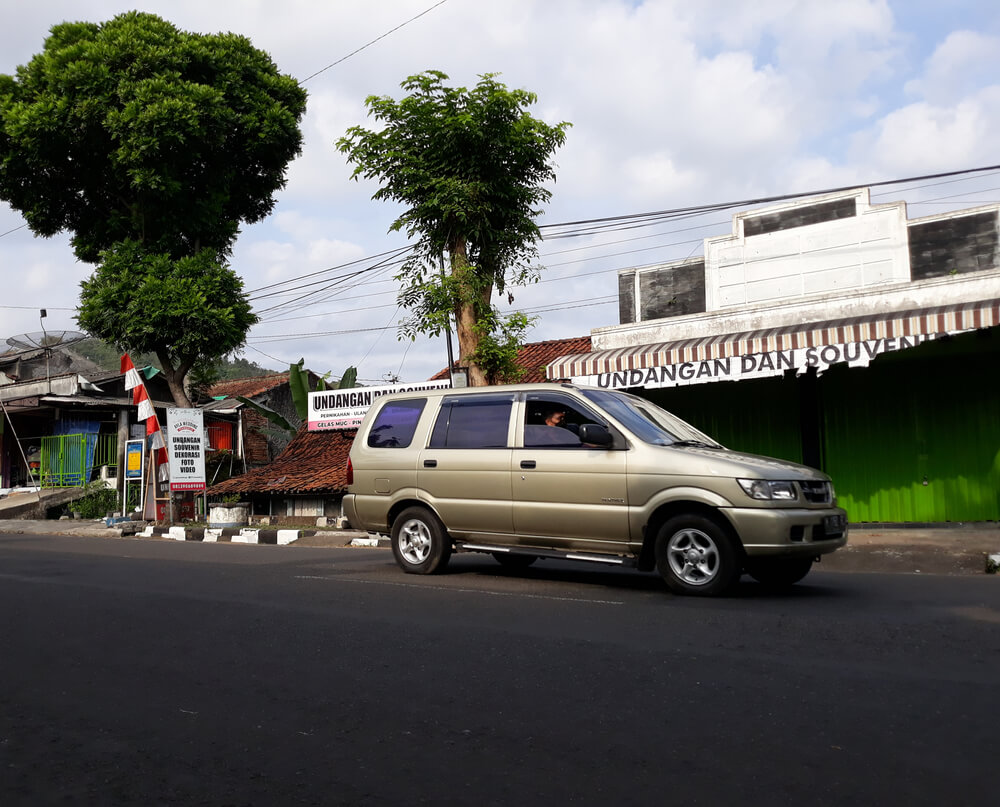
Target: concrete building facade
point(864, 342)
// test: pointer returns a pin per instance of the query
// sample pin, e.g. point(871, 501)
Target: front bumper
point(789, 531)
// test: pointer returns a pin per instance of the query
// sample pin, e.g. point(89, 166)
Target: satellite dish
point(45, 340)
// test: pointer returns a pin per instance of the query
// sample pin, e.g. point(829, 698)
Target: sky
point(672, 104)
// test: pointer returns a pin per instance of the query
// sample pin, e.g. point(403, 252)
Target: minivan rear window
point(472, 422)
point(395, 424)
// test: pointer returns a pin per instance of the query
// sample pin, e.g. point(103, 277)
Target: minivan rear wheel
point(420, 542)
point(694, 555)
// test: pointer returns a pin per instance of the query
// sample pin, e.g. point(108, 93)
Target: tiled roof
point(536, 356)
point(314, 462)
point(248, 387)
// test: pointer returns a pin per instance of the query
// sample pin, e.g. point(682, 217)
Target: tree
point(136, 297)
point(468, 167)
point(156, 144)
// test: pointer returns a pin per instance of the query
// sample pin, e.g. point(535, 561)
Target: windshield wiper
point(693, 444)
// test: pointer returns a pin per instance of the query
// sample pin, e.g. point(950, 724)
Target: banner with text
point(757, 365)
point(334, 409)
point(186, 447)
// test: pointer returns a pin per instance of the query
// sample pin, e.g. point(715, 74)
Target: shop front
point(900, 408)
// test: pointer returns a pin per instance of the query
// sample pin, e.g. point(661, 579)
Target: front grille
point(816, 492)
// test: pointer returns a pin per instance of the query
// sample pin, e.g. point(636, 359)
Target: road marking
point(458, 590)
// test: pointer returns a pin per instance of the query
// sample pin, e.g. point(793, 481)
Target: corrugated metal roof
point(913, 322)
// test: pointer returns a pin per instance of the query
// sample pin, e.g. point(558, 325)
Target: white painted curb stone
point(364, 542)
point(285, 537)
point(177, 533)
point(148, 532)
point(212, 535)
point(246, 537)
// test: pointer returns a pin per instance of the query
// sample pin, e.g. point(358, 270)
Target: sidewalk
point(953, 550)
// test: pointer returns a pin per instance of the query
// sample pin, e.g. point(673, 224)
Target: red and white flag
point(133, 382)
point(132, 379)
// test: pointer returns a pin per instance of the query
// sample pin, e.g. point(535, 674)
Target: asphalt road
point(142, 672)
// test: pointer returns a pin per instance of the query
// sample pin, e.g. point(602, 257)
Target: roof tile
point(536, 356)
point(314, 462)
point(247, 387)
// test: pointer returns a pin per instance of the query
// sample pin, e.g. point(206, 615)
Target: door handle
point(430, 463)
point(527, 463)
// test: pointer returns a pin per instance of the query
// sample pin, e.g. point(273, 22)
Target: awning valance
point(755, 354)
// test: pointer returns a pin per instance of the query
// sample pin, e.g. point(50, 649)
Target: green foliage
point(151, 146)
point(98, 502)
point(276, 418)
point(500, 340)
point(349, 379)
point(298, 383)
point(187, 308)
point(134, 130)
point(202, 376)
point(468, 166)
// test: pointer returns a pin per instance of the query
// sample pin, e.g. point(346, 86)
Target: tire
point(514, 561)
point(420, 542)
point(694, 555)
point(778, 573)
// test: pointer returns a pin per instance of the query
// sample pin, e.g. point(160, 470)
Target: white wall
point(865, 251)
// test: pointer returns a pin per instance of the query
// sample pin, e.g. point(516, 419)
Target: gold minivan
point(534, 471)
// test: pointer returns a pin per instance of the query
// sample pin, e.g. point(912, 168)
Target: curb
point(244, 535)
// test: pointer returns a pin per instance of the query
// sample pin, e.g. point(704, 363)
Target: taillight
point(350, 472)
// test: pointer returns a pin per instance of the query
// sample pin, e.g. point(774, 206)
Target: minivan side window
point(395, 424)
point(472, 421)
point(553, 421)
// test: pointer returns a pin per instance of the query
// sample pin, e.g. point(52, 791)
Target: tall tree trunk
point(175, 378)
point(465, 318)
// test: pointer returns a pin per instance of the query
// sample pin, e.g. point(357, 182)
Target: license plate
point(834, 525)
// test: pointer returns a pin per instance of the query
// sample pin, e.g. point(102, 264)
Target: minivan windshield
point(647, 421)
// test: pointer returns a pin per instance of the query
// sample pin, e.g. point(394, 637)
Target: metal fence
point(68, 460)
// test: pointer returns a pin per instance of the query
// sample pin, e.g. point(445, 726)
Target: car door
point(464, 472)
point(567, 495)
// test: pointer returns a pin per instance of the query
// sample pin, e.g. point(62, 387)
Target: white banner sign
point(757, 365)
point(345, 408)
point(186, 448)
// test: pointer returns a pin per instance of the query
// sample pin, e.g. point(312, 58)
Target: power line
point(8, 233)
point(550, 266)
point(695, 209)
point(638, 220)
point(369, 44)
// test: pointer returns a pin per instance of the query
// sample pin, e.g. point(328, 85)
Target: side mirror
point(596, 435)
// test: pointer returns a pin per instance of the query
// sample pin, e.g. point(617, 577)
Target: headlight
point(767, 489)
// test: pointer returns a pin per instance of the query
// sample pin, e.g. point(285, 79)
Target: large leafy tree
point(469, 167)
point(151, 146)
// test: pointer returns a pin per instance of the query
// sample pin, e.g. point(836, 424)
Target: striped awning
point(888, 332)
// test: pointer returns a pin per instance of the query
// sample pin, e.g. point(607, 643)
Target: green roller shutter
point(915, 437)
point(757, 417)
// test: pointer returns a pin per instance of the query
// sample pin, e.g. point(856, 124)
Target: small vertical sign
point(186, 447)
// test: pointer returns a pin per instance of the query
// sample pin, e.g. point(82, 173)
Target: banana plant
point(298, 383)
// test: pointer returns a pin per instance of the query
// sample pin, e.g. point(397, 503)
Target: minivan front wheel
point(419, 542)
point(694, 555)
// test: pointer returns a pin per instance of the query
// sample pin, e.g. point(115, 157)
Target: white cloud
point(963, 63)
point(673, 103)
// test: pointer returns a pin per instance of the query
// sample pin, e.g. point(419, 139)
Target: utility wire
point(626, 222)
point(369, 44)
point(13, 231)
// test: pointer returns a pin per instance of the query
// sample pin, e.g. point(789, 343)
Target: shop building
point(833, 332)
